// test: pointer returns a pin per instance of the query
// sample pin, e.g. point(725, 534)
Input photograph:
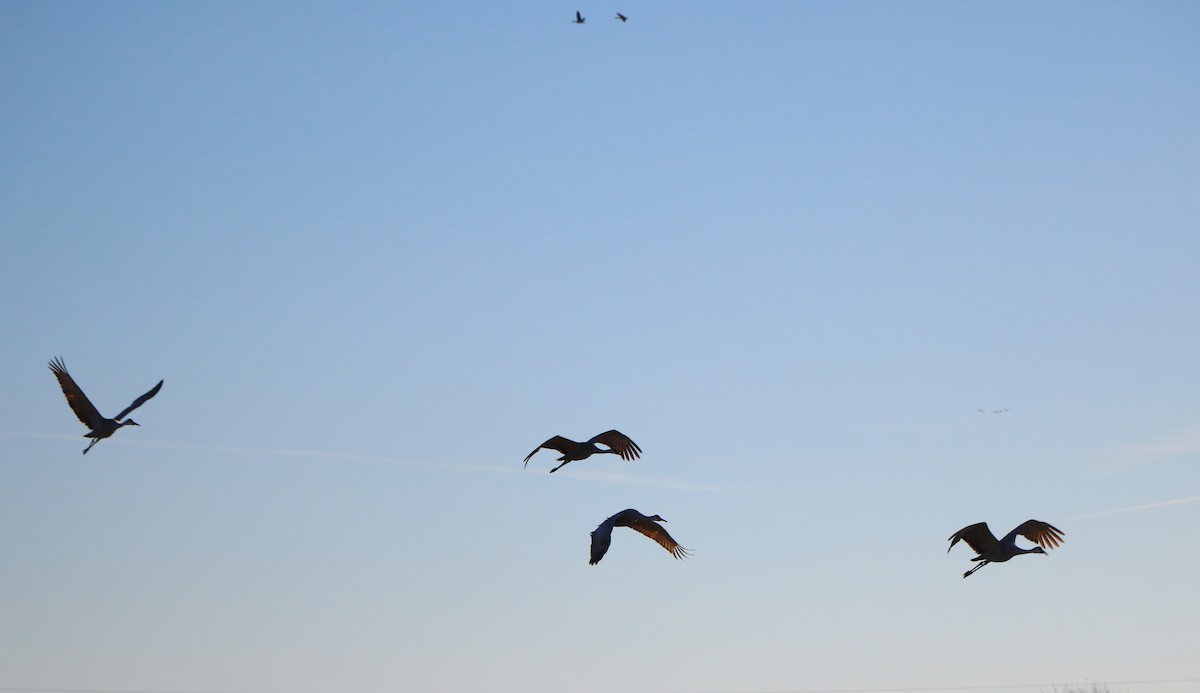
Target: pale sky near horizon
point(379, 251)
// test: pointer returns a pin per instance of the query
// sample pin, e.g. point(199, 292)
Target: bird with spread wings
point(992, 550)
point(647, 525)
point(617, 443)
point(99, 426)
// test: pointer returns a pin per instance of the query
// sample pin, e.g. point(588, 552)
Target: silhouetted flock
point(977, 536)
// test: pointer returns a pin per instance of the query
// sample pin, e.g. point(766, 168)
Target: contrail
point(580, 475)
point(51, 436)
point(233, 449)
point(1132, 508)
point(629, 480)
point(1184, 442)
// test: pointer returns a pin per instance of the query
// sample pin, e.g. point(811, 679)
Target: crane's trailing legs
point(981, 564)
point(96, 438)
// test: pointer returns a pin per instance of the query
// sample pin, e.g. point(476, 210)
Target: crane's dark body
point(647, 525)
point(991, 550)
point(99, 427)
point(617, 443)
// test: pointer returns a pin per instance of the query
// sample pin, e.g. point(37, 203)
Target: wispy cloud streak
point(1185, 442)
point(49, 436)
point(333, 455)
point(1134, 508)
point(631, 480)
point(226, 449)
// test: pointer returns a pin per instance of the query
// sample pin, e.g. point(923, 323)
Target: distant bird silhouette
point(99, 426)
point(980, 538)
point(632, 519)
point(618, 444)
point(622, 17)
point(578, 18)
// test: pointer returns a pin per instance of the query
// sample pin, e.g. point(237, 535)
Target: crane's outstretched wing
point(78, 401)
point(563, 445)
point(977, 536)
point(601, 538)
point(139, 401)
point(1041, 533)
point(656, 532)
point(619, 443)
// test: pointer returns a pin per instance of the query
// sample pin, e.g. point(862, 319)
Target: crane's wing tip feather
point(619, 443)
point(977, 536)
point(1053, 537)
point(139, 401)
point(1041, 533)
point(84, 410)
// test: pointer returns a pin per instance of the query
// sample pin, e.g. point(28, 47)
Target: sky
point(380, 251)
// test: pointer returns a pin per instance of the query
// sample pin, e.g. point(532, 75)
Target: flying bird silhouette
point(632, 519)
point(622, 17)
point(618, 444)
point(981, 539)
point(99, 427)
point(578, 18)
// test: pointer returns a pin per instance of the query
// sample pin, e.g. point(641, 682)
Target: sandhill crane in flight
point(980, 538)
point(632, 519)
point(618, 444)
point(99, 426)
point(622, 17)
point(578, 18)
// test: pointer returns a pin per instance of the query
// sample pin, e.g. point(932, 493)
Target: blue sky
point(378, 252)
